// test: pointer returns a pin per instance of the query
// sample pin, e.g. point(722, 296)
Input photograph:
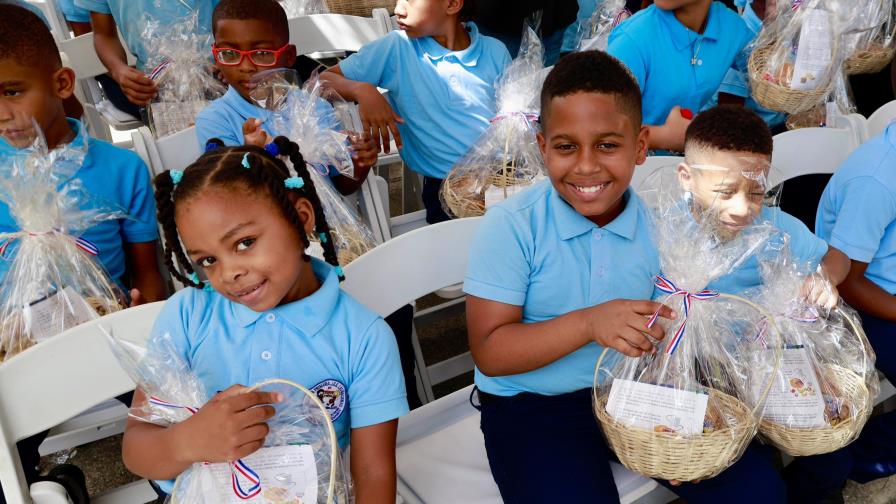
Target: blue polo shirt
point(325, 342)
point(116, 179)
point(73, 13)
point(658, 49)
point(223, 118)
point(571, 37)
point(535, 251)
point(131, 16)
point(446, 98)
point(857, 212)
point(804, 249)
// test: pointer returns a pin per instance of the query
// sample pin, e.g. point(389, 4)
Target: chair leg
point(422, 371)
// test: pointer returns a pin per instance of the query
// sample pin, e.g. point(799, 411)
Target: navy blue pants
point(431, 201)
point(550, 449)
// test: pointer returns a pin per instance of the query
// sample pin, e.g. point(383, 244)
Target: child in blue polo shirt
point(440, 74)
point(556, 274)
point(679, 52)
point(266, 310)
point(857, 214)
point(252, 36)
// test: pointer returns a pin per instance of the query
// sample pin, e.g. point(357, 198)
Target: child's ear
point(685, 177)
point(542, 143)
point(643, 138)
point(64, 82)
point(306, 214)
point(289, 56)
point(454, 7)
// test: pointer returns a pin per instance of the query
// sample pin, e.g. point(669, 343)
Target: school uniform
point(73, 13)
point(446, 98)
point(117, 180)
point(674, 65)
point(327, 342)
point(543, 443)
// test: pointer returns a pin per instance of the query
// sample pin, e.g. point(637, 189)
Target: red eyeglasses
point(259, 57)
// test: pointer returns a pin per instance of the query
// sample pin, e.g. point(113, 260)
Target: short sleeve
point(804, 245)
point(141, 226)
point(499, 266)
point(101, 6)
point(735, 83)
point(373, 62)
point(868, 209)
point(211, 124)
point(626, 49)
point(172, 322)
point(376, 393)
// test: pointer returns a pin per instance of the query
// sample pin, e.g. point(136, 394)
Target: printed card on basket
point(795, 399)
point(288, 475)
point(657, 408)
point(813, 56)
point(55, 313)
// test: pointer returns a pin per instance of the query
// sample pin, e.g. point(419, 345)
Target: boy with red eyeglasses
point(252, 36)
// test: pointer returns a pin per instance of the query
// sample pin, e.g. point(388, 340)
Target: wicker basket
point(349, 246)
point(815, 117)
point(362, 8)
point(779, 97)
point(869, 61)
point(465, 195)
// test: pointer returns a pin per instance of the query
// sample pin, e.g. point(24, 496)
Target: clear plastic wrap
point(687, 411)
point(54, 281)
point(183, 72)
point(870, 38)
point(300, 461)
point(594, 34)
point(296, 8)
point(305, 115)
point(505, 159)
point(825, 387)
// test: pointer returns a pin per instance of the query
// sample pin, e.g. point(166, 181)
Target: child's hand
point(254, 134)
point(378, 118)
point(364, 151)
point(230, 426)
point(621, 324)
point(672, 137)
point(136, 298)
point(138, 88)
point(820, 292)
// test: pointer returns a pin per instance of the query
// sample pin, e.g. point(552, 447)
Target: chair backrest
point(359, 7)
point(808, 151)
point(650, 166)
point(336, 32)
point(412, 265)
point(58, 379)
point(173, 152)
point(58, 25)
point(878, 121)
point(82, 57)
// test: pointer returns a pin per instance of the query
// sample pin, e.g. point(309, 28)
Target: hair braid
point(164, 188)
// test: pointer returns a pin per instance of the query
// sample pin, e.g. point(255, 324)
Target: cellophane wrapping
point(869, 39)
point(53, 281)
point(182, 70)
point(825, 387)
point(305, 115)
point(300, 461)
point(594, 35)
point(296, 8)
point(686, 412)
point(505, 159)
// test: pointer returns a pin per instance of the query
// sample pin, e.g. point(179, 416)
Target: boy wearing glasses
point(252, 36)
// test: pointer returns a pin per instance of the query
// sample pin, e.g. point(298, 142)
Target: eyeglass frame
point(243, 54)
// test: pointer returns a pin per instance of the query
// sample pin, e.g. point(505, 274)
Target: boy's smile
point(590, 150)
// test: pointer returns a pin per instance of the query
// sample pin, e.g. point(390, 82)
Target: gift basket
point(505, 159)
point(300, 461)
point(53, 280)
point(296, 8)
point(870, 42)
point(825, 387)
point(304, 115)
point(796, 56)
point(686, 411)
point(183, 72)
point(594, 34)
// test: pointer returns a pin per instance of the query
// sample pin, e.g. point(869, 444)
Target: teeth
point(591, 189)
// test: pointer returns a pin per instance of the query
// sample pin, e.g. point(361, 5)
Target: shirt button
point(699, 62)
point(453, 81)
point(598, 235)
point(270, 317)
point(266, 355)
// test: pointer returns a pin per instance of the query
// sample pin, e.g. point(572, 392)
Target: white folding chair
point(810, 151)
point(326, 33)
point(651, 166)
point(440, 458)
point(58, 25)
point(172, 152)
point(878, 121)
point(56, 380)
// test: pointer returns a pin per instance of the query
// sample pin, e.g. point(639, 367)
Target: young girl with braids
point(265, 310)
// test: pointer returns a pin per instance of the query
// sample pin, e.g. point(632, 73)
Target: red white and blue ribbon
point(529, 117)
point(240, 472)
point(154, 74)
point(807, 317)
point(666, 285)
point(86, 245)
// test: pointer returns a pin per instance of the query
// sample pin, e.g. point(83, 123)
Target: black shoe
point(72, 479)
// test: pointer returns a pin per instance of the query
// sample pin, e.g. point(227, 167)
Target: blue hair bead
point(272, 149)
point(323, 237)
point(176, 176)
point(245, 161)
point(213, 144)
point(294, 183)
point(339, 271)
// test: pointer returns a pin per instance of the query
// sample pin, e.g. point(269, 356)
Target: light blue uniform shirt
point(327, 342)
point(857, 212)
point(73, 13)
point(571, 35)
point(117, 179)
point(131, 17)
point(446, 98)
point(535, 251)
point(804, 249)
point(658, 49)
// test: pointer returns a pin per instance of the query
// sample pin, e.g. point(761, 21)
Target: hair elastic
point(339, 272)
point(245, 161)
point(272, 149)
point(294, 183)
point(176, 176)
point(207, 286)
point(323, 237)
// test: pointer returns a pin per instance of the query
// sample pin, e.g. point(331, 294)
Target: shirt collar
point(468, 57)
point(571, 223)
point(308, 315)
point(244, 107)
point(681, 35)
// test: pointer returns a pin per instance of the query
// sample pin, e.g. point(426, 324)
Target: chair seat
point(116, 117)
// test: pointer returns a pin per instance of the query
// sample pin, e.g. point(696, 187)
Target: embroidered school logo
point(332, 394)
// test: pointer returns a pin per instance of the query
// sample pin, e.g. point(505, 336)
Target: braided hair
point(224, 166)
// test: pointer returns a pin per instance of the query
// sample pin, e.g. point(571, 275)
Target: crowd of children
point(556, 274)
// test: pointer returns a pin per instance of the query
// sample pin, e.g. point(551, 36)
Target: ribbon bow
point(86, 245)
point(239, 470)
point(666, 285)
point(528, 116)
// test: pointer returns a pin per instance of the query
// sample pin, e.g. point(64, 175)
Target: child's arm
point(143, 267)
point(139, 88)
point(364, 157)
point(820, 288)
point(670, 135)
point(865, 295)
point(503, 345)
point(377, 115)
point(230, 426)
point(373, 462)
